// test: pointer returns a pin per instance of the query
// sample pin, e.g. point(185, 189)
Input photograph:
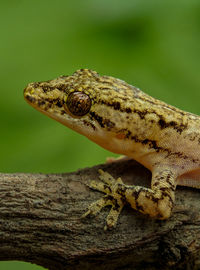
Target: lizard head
point(85, 102)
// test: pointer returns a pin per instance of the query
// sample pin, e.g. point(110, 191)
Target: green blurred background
point(151, 44)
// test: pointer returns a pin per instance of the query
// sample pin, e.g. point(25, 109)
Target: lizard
point(123, 119)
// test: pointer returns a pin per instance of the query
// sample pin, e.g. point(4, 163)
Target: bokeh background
point(154, 45)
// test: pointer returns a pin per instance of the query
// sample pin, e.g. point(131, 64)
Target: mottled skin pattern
point(125, 120)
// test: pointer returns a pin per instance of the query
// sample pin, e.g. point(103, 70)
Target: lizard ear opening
point(78, 104)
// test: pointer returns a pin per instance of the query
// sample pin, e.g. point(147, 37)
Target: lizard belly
point(190, 179)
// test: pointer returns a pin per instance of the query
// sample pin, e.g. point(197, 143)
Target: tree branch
point(40, 223)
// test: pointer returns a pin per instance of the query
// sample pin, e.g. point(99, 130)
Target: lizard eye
point(78, 103)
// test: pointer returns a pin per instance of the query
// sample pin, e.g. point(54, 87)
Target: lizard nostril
point(28, 94)
point(29, 90)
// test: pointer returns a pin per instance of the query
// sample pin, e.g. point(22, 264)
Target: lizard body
point(124, 120)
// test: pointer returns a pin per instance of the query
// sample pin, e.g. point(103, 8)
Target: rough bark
point(40, 223)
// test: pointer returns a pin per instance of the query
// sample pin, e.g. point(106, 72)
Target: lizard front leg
point(157, 202)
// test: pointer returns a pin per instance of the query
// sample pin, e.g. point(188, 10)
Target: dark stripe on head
point(89, 124)
point(30, 98)
point(161, 122)
point(103, 122)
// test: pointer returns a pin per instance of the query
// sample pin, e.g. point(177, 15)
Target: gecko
point(124, 120)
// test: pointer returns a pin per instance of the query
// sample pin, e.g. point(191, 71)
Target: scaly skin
point(125, 120)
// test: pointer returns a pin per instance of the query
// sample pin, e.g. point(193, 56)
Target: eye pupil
point(78, 103)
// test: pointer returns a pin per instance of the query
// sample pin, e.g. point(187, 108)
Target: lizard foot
point(117, 159)
point(109, 186)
